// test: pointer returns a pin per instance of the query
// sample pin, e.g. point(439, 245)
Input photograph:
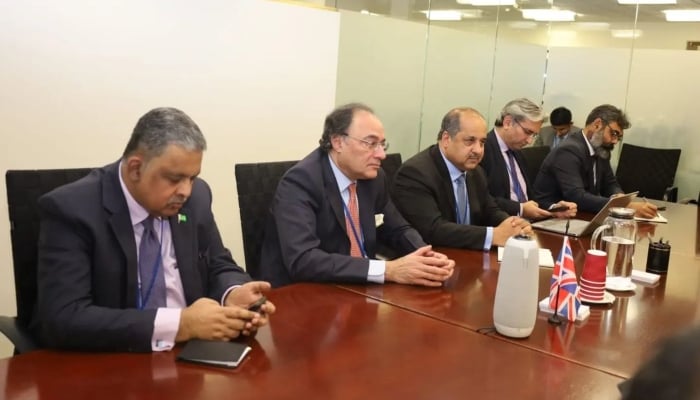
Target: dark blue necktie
point(514, 178)
point(462, 201)
point(151, 268)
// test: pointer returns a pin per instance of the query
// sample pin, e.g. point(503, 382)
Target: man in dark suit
point(324, 217)
point(504, 163)
point(442, 191)
point(130, 258)
point(579, 169)
point(560, 127)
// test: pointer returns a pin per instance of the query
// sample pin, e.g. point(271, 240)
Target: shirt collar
point(342, 180)
point(136, 211)
point(501, 144)
point(590, 147)
point(451, 168)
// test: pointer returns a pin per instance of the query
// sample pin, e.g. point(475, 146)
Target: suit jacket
point(567, 174)
point(305, 236)
point(423, 192)
point(546, 135)
point(496, 170)
point(87, 265)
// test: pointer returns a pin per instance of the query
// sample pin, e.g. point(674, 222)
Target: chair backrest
point(24, 187)
point(650, 171)
point(256, 184)
point(390, 165)
point(533, 158)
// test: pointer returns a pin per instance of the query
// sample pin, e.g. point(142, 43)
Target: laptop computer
point(579, 227)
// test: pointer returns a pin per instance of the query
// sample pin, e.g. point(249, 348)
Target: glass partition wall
point(413, 60)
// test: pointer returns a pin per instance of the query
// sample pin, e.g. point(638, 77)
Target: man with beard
point(442, 190)
point(579, 170)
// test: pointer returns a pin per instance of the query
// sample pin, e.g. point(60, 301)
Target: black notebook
point(223, 354)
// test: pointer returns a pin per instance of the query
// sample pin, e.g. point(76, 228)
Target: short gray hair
point(161, 127)
point(521, 109)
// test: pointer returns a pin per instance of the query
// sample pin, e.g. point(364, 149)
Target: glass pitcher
point(617, 237)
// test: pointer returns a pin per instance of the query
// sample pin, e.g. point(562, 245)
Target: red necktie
point(355, 214)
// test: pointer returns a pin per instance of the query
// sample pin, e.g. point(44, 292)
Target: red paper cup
point(592, 285)
point(594, 267)
point(593, 296)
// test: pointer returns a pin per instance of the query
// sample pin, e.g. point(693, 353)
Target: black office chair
point(533, 160)
point(256, 184)
point(390, 165)
point(24, 187)
point(650, 171)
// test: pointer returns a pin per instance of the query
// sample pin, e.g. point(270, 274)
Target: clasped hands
point(207, 319)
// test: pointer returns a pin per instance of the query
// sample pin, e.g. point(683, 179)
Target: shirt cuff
point(520, 213)
point(165, 328)
point(376, 271)
point(489, 238)
point(229, 290)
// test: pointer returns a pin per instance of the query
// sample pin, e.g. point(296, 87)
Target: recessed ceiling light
point(487, 2)
point(548, 14)
point(626, 33)
point(646, 2)
point(682, 15)
point(451, 15)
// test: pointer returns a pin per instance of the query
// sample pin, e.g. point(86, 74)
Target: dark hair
point(521, 109)
point(560, 116)
point(338, 122)
point(608, 114)
point(161, 127)
point(672, 373)
point(451, 121)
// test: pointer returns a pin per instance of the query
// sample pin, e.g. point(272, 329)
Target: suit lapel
point(445, 181)
point(332, 194)
point(120, 222)
point(184, 242)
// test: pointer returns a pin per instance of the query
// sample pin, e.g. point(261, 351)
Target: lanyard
point(141, 302)
point(360, 240)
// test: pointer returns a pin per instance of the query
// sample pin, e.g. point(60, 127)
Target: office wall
point(258, 77)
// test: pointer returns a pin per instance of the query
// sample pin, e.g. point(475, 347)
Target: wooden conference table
point(394, 341)
point(615, 338)
point(324, 343)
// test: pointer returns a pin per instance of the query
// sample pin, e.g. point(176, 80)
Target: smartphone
point(255, 307)
point(558, 208)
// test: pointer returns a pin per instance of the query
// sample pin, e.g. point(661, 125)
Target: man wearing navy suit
point(428, 187)
point(519, 122)
point(97, 290)
point(579, 169)
point(332, 207)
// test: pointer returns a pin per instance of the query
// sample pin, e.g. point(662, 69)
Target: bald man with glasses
point(332, 209)
point(579, 169)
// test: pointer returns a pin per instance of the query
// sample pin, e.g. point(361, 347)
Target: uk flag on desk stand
point(564, 284)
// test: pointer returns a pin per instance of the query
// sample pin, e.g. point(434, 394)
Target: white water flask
point(515, 306)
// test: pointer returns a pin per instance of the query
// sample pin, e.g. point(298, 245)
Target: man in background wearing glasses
point(516, 127)
point(579, 169)
point(331, 208)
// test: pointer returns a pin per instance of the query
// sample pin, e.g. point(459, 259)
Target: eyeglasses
point(615, 133)
point(528, 132)
point(370, 145)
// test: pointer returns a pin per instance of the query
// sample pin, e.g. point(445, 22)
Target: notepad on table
point(546, 259)
point(223, 354)
point(658, 219)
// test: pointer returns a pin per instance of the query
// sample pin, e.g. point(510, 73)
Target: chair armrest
point(671, 194)
point(17, 334)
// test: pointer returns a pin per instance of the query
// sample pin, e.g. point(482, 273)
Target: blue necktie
point(151, 268)
point(514, 178)
point(462, 201)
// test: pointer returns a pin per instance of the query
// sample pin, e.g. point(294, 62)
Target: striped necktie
point(354, 211)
